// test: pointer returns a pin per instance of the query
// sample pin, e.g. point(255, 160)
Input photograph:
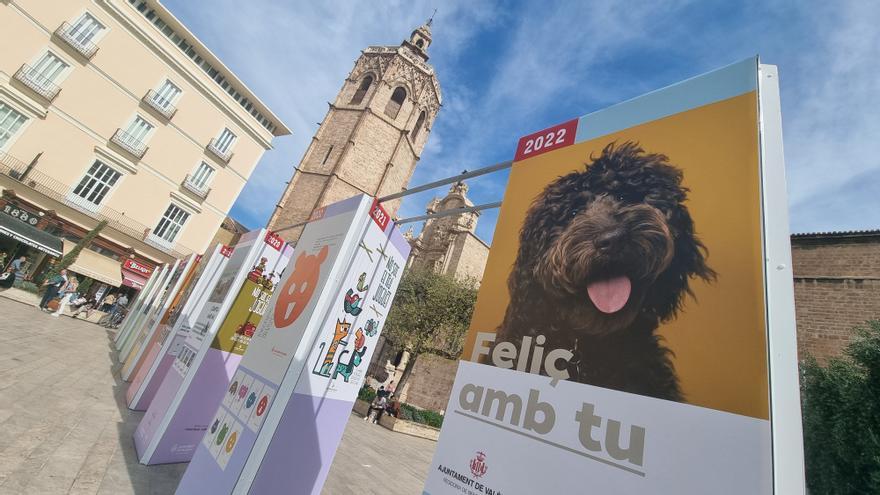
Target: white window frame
point(158, 88)
point(156, 238)
point(61, 76)
point(105, 28)
point(208, 180)
point(75, 198)
point(231, 145)
point(18, 132)
point(133, 119)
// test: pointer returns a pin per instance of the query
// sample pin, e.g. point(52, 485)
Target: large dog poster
point(277, 429)
point(177, 417)
point(172, 334)
point(622, 312)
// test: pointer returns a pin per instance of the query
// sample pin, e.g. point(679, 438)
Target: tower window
point(394, 104)
point(420, 43)
point(361, 91)
point(418, 127)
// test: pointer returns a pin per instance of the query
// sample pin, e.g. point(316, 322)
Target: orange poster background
point(719, 339)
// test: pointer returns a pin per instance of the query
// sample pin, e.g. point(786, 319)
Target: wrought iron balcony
point(56, 190)
point(129, 143)
point(200, 191)
point(160, 104)
point(29, 76)
point(215, 150)
point(66, 33)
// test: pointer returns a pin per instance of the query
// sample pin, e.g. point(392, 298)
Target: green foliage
point(422, 416)
point(84, 286)
point(841, 409)
point(26, 286)
point(69, 258)
point(431, 313)
point(367, 393)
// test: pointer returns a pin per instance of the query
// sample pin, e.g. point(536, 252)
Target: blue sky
point(510, 68)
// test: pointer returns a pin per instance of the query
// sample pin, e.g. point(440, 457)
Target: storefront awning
point(93, 265)
point(30, 235)
point(133, 279)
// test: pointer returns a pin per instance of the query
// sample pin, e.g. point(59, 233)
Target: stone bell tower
point(373, 133)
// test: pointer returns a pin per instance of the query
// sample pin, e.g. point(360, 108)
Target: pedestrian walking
point(68, 293)
point(53, 286)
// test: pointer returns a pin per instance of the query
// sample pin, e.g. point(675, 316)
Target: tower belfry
point(372, 136)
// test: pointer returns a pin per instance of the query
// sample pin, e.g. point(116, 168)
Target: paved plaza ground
point(64, 426)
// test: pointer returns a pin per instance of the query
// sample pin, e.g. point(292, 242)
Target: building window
point(418, 127)
point(10, 122)
point(171, 224)
point(47, 69)
point(396, 101)
point(202, 176)
point(225, 141)
point(138, 130)
point(361, 91)
point(166, 95)
point(97, 182)
point(85, 29)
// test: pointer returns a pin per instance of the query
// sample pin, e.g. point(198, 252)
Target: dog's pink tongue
point(610, 295)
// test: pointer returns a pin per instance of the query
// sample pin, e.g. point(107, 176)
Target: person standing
point(53, 285)
point(19, 265)
point(67, 295)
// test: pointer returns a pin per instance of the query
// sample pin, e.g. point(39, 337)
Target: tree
point(430, 313)
point(841, 409)
point(70, 258)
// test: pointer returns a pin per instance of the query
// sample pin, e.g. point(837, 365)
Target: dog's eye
point(574, 212)
point(620, 197)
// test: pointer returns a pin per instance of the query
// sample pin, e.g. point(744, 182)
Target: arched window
point(361, 91)
point(394, 104)
point(420, 43)
point(418, 127)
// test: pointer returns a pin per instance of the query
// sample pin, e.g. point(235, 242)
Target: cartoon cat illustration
point(356, 357)
point(342, 329)
point(299, 288)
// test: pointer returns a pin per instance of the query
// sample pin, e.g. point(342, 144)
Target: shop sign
point(23, 215)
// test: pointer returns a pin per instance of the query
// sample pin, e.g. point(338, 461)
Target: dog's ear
point(688, 262)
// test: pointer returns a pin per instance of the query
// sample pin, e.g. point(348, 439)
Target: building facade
point(113, 110)
point(372, 136)
point(836, 287)
point(449, 245)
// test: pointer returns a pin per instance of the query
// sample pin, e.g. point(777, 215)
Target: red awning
point(133, 279)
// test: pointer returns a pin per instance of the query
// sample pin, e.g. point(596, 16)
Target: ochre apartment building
point(113, 110)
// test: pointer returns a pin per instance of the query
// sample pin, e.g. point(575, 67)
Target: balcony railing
point(159, 104)
point(214, 148)
point(200, 191)
point(85, 47)
point(58, 191)
point(129, 143)
point(36, 82)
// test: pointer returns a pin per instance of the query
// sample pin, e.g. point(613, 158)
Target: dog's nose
point(605, 240)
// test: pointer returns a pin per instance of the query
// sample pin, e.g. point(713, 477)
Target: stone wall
point(430, 382)
point(836, 286)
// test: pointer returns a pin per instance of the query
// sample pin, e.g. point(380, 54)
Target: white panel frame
point(785, 403)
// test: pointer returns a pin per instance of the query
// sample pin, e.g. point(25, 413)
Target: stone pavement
point(64, 427)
